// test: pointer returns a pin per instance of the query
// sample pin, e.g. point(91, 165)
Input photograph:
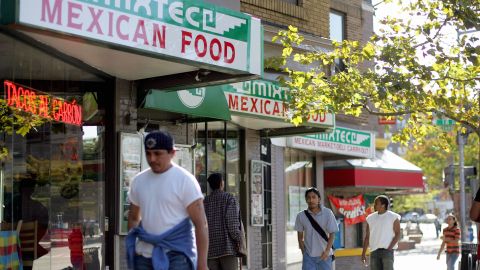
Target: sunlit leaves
point(15, 121)
point(416, 73)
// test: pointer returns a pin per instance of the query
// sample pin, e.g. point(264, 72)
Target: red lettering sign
point(353, 209)
point(43, 105)
point(387, 120)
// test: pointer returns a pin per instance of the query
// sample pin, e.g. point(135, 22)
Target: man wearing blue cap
point(165, 200)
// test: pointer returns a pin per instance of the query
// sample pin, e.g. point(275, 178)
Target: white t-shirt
point(163, 199)
point(381, 229)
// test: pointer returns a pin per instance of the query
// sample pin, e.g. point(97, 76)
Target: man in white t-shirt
point(382, 235)
point(164, 198)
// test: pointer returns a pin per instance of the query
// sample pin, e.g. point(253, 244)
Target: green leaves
point(13, 120)
point(417, 72)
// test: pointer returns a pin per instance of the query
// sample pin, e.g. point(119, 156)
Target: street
point(424, 256)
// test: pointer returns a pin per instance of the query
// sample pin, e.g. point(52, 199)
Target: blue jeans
point(177, 261)
point(381, 259)
point(451, 260)
point(315, 263)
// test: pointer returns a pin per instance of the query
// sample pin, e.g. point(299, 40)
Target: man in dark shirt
point(223, 217)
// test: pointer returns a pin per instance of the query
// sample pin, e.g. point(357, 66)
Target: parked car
point(427, 218)
point(410, 216)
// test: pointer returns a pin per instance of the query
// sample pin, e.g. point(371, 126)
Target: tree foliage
point(14, 121)
point(432, 160)
point(420, 71)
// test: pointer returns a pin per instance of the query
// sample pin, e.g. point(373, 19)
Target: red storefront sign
point(353, 209)
point(387, 120)
point(46, 106)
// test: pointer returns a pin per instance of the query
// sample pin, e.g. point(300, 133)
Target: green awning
point(197, 102)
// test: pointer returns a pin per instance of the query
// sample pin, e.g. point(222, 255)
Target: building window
point(337, 26)
point(337, 33)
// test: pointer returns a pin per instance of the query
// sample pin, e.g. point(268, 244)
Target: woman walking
point(451, 239)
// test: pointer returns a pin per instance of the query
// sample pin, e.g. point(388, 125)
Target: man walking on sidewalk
point(382, 235)
point(223, 216)
point(316, 228)
point(165, 200)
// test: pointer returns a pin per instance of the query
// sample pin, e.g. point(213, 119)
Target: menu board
point(131, 148)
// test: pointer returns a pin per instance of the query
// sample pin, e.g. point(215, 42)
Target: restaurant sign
point(187, 30)
point(341, 140)
point(267, 100)
point(43, 105)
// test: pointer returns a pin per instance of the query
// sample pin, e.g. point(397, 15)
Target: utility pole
point(461, 165)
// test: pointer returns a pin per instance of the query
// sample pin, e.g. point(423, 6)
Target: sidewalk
point(424, 256)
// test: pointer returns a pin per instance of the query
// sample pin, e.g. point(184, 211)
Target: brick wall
point(254, 234)
point(279, 211)
point(311, 16)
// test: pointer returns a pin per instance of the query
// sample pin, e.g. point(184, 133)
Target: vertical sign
point(130, 165)
point(256, 193)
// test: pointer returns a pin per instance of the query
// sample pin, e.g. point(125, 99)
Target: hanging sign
point(353, 209)
point(341, 140)
point(185, 30)
point(41, 104)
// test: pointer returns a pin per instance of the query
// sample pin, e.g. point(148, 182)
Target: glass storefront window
point(299, 175)
point(217, 150)
point(54, 178)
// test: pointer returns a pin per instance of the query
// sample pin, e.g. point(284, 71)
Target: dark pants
point(177, 261)
point(381, 259)
point(228, 262)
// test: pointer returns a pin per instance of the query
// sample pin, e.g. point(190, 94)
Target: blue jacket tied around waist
point(178, 238)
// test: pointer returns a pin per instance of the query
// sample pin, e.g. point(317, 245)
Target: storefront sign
point(387, 120)
point(353, 209)
point(267, 100)
point(41, 104)
point(188, 29)
point(343, 141)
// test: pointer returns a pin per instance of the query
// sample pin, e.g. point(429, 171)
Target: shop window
point(218, 150)
point(54, 178)
point(337, 33)
point(299, 175)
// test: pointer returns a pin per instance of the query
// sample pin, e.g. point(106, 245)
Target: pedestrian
point(316, 227)
point(438, 226)
point(165, 200)
point(224, 233)
point(382, 235)
point(451, 239)
point(475, 216)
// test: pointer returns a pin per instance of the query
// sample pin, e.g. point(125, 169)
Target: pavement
point(424, 256)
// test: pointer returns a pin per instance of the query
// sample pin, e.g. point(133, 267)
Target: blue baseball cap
point(159, 140)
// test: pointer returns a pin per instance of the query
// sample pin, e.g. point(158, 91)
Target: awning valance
point(386, 171)
point(193, 102)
